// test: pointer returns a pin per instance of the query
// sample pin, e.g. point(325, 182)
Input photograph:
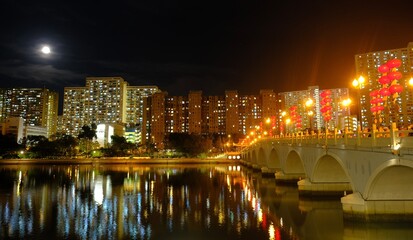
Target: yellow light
point(309, 102)
point(310, 113)
point(268, 120)
point(411, 81)
point(361, 80)
point(346, 102)
point(355, 83)
point(265, 133)
point(252, 133)
point(283, 113)
point(287, 121)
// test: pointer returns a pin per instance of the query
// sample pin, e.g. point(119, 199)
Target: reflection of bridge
point(377, 167)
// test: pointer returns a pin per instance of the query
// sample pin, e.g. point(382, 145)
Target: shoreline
point(93, 161)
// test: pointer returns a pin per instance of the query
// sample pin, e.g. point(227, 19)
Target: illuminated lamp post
point(346, 103)
point(310, 117)
point(308, 105)
point(268, 126)
point(287, 123)
point(359, 84)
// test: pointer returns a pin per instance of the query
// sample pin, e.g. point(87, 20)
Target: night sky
point(211, 46)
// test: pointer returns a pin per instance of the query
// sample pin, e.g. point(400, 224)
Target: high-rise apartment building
point(298, 99)
point(134, 103)
point(74, 110)
point(268, 104)
point(158, 118)
point(212, 114)
point(194, 112)
point(36, 106)
point(249, 113)
point(398, 110)
point(177, 114)
point(232, 114)
point(105, 100)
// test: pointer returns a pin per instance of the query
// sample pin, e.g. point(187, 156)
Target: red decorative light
point(396, 88)
point(384, 68)
point(394, 63)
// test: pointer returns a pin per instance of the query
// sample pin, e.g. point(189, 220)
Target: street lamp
point(287, 122)
point(346, 103)
point(359, 84)
point(308, 105)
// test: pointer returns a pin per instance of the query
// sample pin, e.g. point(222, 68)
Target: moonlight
point(46, 50)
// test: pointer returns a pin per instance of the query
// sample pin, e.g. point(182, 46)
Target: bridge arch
point(328, 168)
point(253, 157)
point(274, 159)
point(391, 181)
point(294, 163)
point(262, 158)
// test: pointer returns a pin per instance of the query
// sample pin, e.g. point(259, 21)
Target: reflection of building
point(367, 64)
point(36, 106)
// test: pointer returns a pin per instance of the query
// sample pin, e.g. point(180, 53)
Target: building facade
point(295, 114)
point(36, 106)
point(105, 100)
point(397, 109)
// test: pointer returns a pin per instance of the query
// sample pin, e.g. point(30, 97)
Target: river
point(211, 201)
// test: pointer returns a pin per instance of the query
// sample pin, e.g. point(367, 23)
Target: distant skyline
point(193, 45)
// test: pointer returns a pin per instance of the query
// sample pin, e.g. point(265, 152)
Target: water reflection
point(167, 202)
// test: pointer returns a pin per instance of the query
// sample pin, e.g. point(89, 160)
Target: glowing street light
point(309, 105)
point(359, 84)
point(346, 103)
point(411, 81)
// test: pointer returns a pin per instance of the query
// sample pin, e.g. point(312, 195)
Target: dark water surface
point(167, 202)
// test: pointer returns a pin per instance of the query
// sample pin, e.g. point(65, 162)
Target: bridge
point(371, 171)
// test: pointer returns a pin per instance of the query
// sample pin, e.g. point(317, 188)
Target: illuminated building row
point(36, 107)
point(400, 109)
point(105, 100)
point(198, 114)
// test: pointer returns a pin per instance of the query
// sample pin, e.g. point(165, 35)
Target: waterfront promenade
point(127, 160)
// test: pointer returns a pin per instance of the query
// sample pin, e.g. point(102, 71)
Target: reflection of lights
point(238, 168)
point(271, 231)
point(98, 190)
point(260, 215)
point(281, 222)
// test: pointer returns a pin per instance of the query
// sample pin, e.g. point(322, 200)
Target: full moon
point(46, 50)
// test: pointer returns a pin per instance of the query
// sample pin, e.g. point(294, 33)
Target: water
point(167, 202)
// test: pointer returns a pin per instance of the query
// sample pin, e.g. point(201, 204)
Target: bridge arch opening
point(328, 169)
point(254, 157)
point(392, 183)
point(262, 159)
point(294, 164)
point(274, 160)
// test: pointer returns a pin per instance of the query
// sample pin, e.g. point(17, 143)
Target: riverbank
point(119, 161)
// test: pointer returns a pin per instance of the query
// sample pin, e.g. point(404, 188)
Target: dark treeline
point(86, 145)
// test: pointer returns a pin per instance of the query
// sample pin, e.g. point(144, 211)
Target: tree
point(119, 146)
point(9, 146)
point(190, 144)
point(66, 145)
point(86, 136)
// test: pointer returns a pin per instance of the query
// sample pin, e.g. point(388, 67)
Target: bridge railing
point(392, 139)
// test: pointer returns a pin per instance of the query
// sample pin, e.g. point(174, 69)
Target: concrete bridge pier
point(357, 208)
point(308, 188)
point(282, 177)
point(268, 172)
